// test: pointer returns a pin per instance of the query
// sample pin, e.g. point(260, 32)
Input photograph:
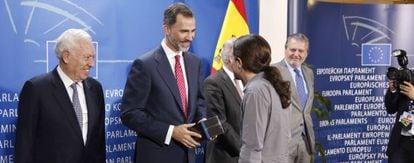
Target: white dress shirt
point(293, 74)
point(171, 59)
point(232, 77)
point(68, 82)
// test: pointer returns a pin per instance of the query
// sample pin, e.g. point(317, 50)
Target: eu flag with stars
point(376, 54)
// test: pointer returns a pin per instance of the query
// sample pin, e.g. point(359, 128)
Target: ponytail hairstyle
point(255, 53)
point(272, 74)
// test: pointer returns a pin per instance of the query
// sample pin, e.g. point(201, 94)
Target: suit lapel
point(61, 95)
point(309, 86)
point(91, 106)
point(165, 72)
point(286, 74)
point(228, 83)
point(192, 79)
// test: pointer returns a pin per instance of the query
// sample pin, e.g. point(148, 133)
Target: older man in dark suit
point(61, 113)
point(163, 94)
point(223, 95)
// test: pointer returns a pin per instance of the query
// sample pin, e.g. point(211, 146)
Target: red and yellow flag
point(234, 24)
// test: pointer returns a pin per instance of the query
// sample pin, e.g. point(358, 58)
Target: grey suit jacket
point(223, 100)
point(266, 131)
point(299, 117)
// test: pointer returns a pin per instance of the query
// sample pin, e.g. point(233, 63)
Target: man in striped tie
point(61, 113)
point(301, 78)
point(163, 94)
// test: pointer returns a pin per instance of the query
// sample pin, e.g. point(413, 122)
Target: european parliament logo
point(376, 54)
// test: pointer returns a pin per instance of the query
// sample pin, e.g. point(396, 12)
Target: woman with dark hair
point(265, 106)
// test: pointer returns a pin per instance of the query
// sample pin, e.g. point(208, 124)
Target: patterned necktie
point(180, 83)
point(300, 87)
point(237, 85)
point(76, 104)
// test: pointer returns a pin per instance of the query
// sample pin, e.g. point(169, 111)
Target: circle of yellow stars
point(375, 54)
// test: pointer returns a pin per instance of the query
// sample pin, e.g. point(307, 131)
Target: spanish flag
point(234, 25)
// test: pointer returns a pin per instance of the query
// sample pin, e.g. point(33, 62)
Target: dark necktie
point(180, 83)
point(76, 104)
point(300, 87)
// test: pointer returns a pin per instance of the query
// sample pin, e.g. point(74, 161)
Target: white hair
point(68, 40)
point(227, 49)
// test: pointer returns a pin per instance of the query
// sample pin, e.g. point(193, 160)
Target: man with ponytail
point(265, 107)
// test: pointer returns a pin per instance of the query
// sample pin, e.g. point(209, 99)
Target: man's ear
point(165, 29)
point(239, 66)
point(65, 56)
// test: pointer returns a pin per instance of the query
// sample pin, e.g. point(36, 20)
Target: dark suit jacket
point(151, 103)
point(47, 128)
point(223, 100)
point(395, 103)
point(299, 117)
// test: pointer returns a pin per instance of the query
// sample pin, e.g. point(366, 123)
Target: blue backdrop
point(121, 31)
point(350, 49)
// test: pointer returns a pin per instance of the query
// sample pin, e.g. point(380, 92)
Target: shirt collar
point(168, 51)
point(65, 78)
point(258, 75)
point(228, 72)
point(291, 69)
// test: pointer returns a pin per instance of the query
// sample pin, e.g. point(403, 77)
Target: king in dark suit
point(163, 94)
point(61, 113)
point(223, 99)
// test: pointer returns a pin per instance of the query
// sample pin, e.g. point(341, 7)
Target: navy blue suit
point(47, 128)
point(151, 103)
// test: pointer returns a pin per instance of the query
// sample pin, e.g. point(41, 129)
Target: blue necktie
point(300, 87)
point(76, 104)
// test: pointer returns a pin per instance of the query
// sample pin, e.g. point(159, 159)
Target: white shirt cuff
point(169, 135)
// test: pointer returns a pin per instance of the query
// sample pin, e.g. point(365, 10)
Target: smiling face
point(296, 52)
point(78, 61)
point(180, 34)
